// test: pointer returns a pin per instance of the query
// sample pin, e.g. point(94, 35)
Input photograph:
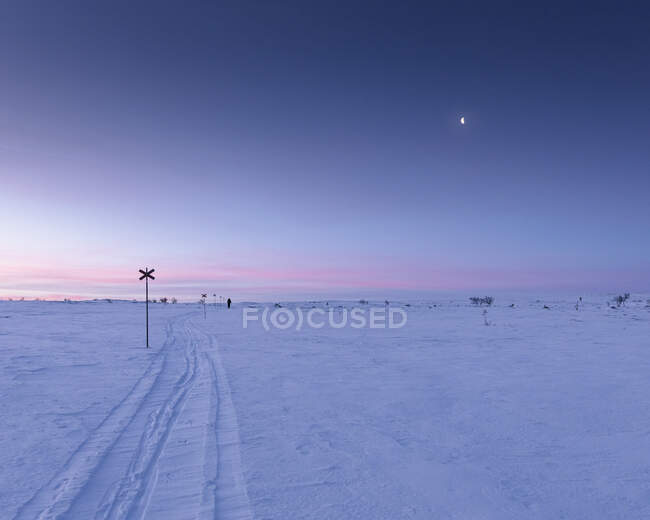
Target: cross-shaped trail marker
point(146, 276)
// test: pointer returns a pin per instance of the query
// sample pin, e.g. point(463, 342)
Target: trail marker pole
point(146, 275)
point(203, 298)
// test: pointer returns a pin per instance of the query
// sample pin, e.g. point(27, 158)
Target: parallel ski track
point(55, 498)
point(231, 501)
point(223, 493)
point(132, 491)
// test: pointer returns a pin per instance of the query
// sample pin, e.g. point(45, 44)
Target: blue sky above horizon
point(295, 147)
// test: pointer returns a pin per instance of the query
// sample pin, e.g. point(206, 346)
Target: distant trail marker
point(146, 275)
point(203, 298)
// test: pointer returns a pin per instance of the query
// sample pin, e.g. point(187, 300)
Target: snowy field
point(543, 413)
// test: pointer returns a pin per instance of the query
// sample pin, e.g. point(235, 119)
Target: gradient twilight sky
point(259, 149)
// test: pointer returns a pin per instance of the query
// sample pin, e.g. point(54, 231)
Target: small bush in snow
point(163, 300)
point(621, 299)
point(486, 300)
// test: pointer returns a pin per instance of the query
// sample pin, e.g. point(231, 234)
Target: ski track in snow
point(231, 498)
point(169, 449)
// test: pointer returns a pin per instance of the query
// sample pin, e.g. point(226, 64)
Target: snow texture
point(542, 413)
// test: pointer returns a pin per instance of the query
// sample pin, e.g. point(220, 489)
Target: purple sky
point(282, 149)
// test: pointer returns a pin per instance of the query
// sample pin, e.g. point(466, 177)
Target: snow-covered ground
point(543, 413)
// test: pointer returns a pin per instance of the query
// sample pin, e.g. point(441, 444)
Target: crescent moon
point(462, 120)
